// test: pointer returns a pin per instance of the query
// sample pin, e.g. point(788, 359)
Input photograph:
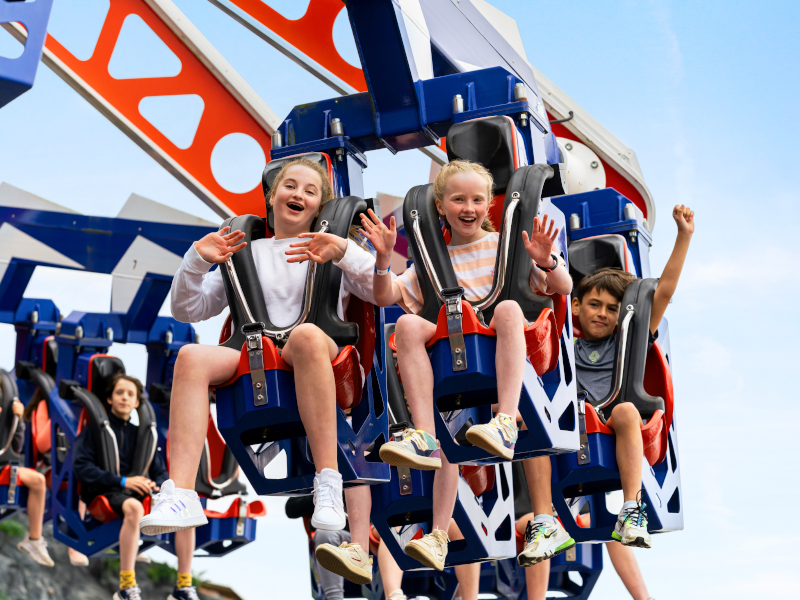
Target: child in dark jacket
point(126, 493)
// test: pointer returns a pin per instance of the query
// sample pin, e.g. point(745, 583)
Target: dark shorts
point(117, 499)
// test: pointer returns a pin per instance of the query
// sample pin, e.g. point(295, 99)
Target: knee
point(626, 415)
point(188, 358)
point(408, 330)
point(37, 482)
point(508, 312)
point(308, 338)
point(133, 510)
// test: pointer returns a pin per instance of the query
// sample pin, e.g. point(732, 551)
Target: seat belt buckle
point(12, 484)
point(255, 352)
point(455, 332)
point(242, 517)
point(584, 456)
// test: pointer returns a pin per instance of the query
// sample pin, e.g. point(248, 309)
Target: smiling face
point(296, 201)
point(464, 204)
point(597, 312)
point(124, 399)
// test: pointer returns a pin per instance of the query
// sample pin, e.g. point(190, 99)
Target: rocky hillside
point(23, 579)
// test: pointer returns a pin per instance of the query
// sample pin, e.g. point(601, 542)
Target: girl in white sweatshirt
point(300, 191)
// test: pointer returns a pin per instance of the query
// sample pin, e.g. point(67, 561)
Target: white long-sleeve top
point(197, 295)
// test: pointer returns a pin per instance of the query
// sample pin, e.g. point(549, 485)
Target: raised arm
point(684, 218)
point(541, 248)
point(197, 295)
point(383, 238)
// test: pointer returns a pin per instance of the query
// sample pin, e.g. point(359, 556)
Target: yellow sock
point(184, 580)
point(127, 579)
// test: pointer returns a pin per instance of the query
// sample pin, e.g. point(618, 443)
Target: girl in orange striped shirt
point(462, 191)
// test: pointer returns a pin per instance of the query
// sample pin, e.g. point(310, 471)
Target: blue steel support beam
point(17, 74)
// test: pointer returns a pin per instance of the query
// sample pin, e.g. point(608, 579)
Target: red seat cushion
point(480, 479)
point(40, 428)
point(256, 508)
point(100, 508)
point(653, 433)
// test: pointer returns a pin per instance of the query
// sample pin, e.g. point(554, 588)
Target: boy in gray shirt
point(596, 304)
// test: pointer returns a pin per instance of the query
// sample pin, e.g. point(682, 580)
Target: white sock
point(545, 519)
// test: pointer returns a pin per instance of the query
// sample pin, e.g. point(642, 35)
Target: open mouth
point(467, 220)
point(295, 207)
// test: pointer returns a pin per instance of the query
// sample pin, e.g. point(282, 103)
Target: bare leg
point(627, 568)
point(132, 511)
point(37, 490)
point(468, 576)
point(627, 425)
point(184, 548)
point(509, 323)
point(391, 574)
point(197, 367)
point(537, 577)
point(445, 492)
point(310, 351)
point(359, 505)
point(412, 333)
point(538, 472)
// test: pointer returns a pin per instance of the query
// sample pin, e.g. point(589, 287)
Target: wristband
point(383, 271)
point(122, 483)
point(549, 269)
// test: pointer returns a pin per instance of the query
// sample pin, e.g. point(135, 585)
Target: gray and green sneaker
point(415, 449)
point(543, 541)
point(631, 526)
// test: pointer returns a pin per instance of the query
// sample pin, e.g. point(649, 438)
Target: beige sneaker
point(144, 559)
point(77, 559)
point(430, 549)
point(37, 550)
point(397, 595)
point(348, 561)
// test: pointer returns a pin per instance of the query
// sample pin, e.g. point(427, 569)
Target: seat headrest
point(103, 368)
point(273, 168)
point(492, 142)
point(50, 358)
point(589, 255)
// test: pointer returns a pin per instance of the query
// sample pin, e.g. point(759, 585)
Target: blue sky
point(705, 93)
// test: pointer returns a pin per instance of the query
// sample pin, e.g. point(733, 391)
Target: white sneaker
point(76, 559)
point(430, 549)
point(37, 550)
point(348, 561)
point(144, 559)
point(328, 505)
point(174, 509)
point(543, 540)
point(631, 527)
point(397, 595)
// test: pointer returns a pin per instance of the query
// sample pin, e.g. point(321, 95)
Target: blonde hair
point(461, 167)
point(326, 191)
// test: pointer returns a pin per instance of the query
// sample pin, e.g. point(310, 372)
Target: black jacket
point(94, 480)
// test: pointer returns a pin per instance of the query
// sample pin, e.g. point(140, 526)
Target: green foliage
point(159, 572)
point(13, 529)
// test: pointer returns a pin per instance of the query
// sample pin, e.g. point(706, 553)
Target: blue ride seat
point(484, 506)
point(463, 349)
point(642, 375)
point(257, 409)
point(13, 495)
point(17, 74)
point(73, 407)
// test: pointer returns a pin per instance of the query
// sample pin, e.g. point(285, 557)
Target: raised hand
point(319, 247)
point(18, 408)
point(382, 238)
point(216, 247)
point(684, 218)
point(540, 244)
